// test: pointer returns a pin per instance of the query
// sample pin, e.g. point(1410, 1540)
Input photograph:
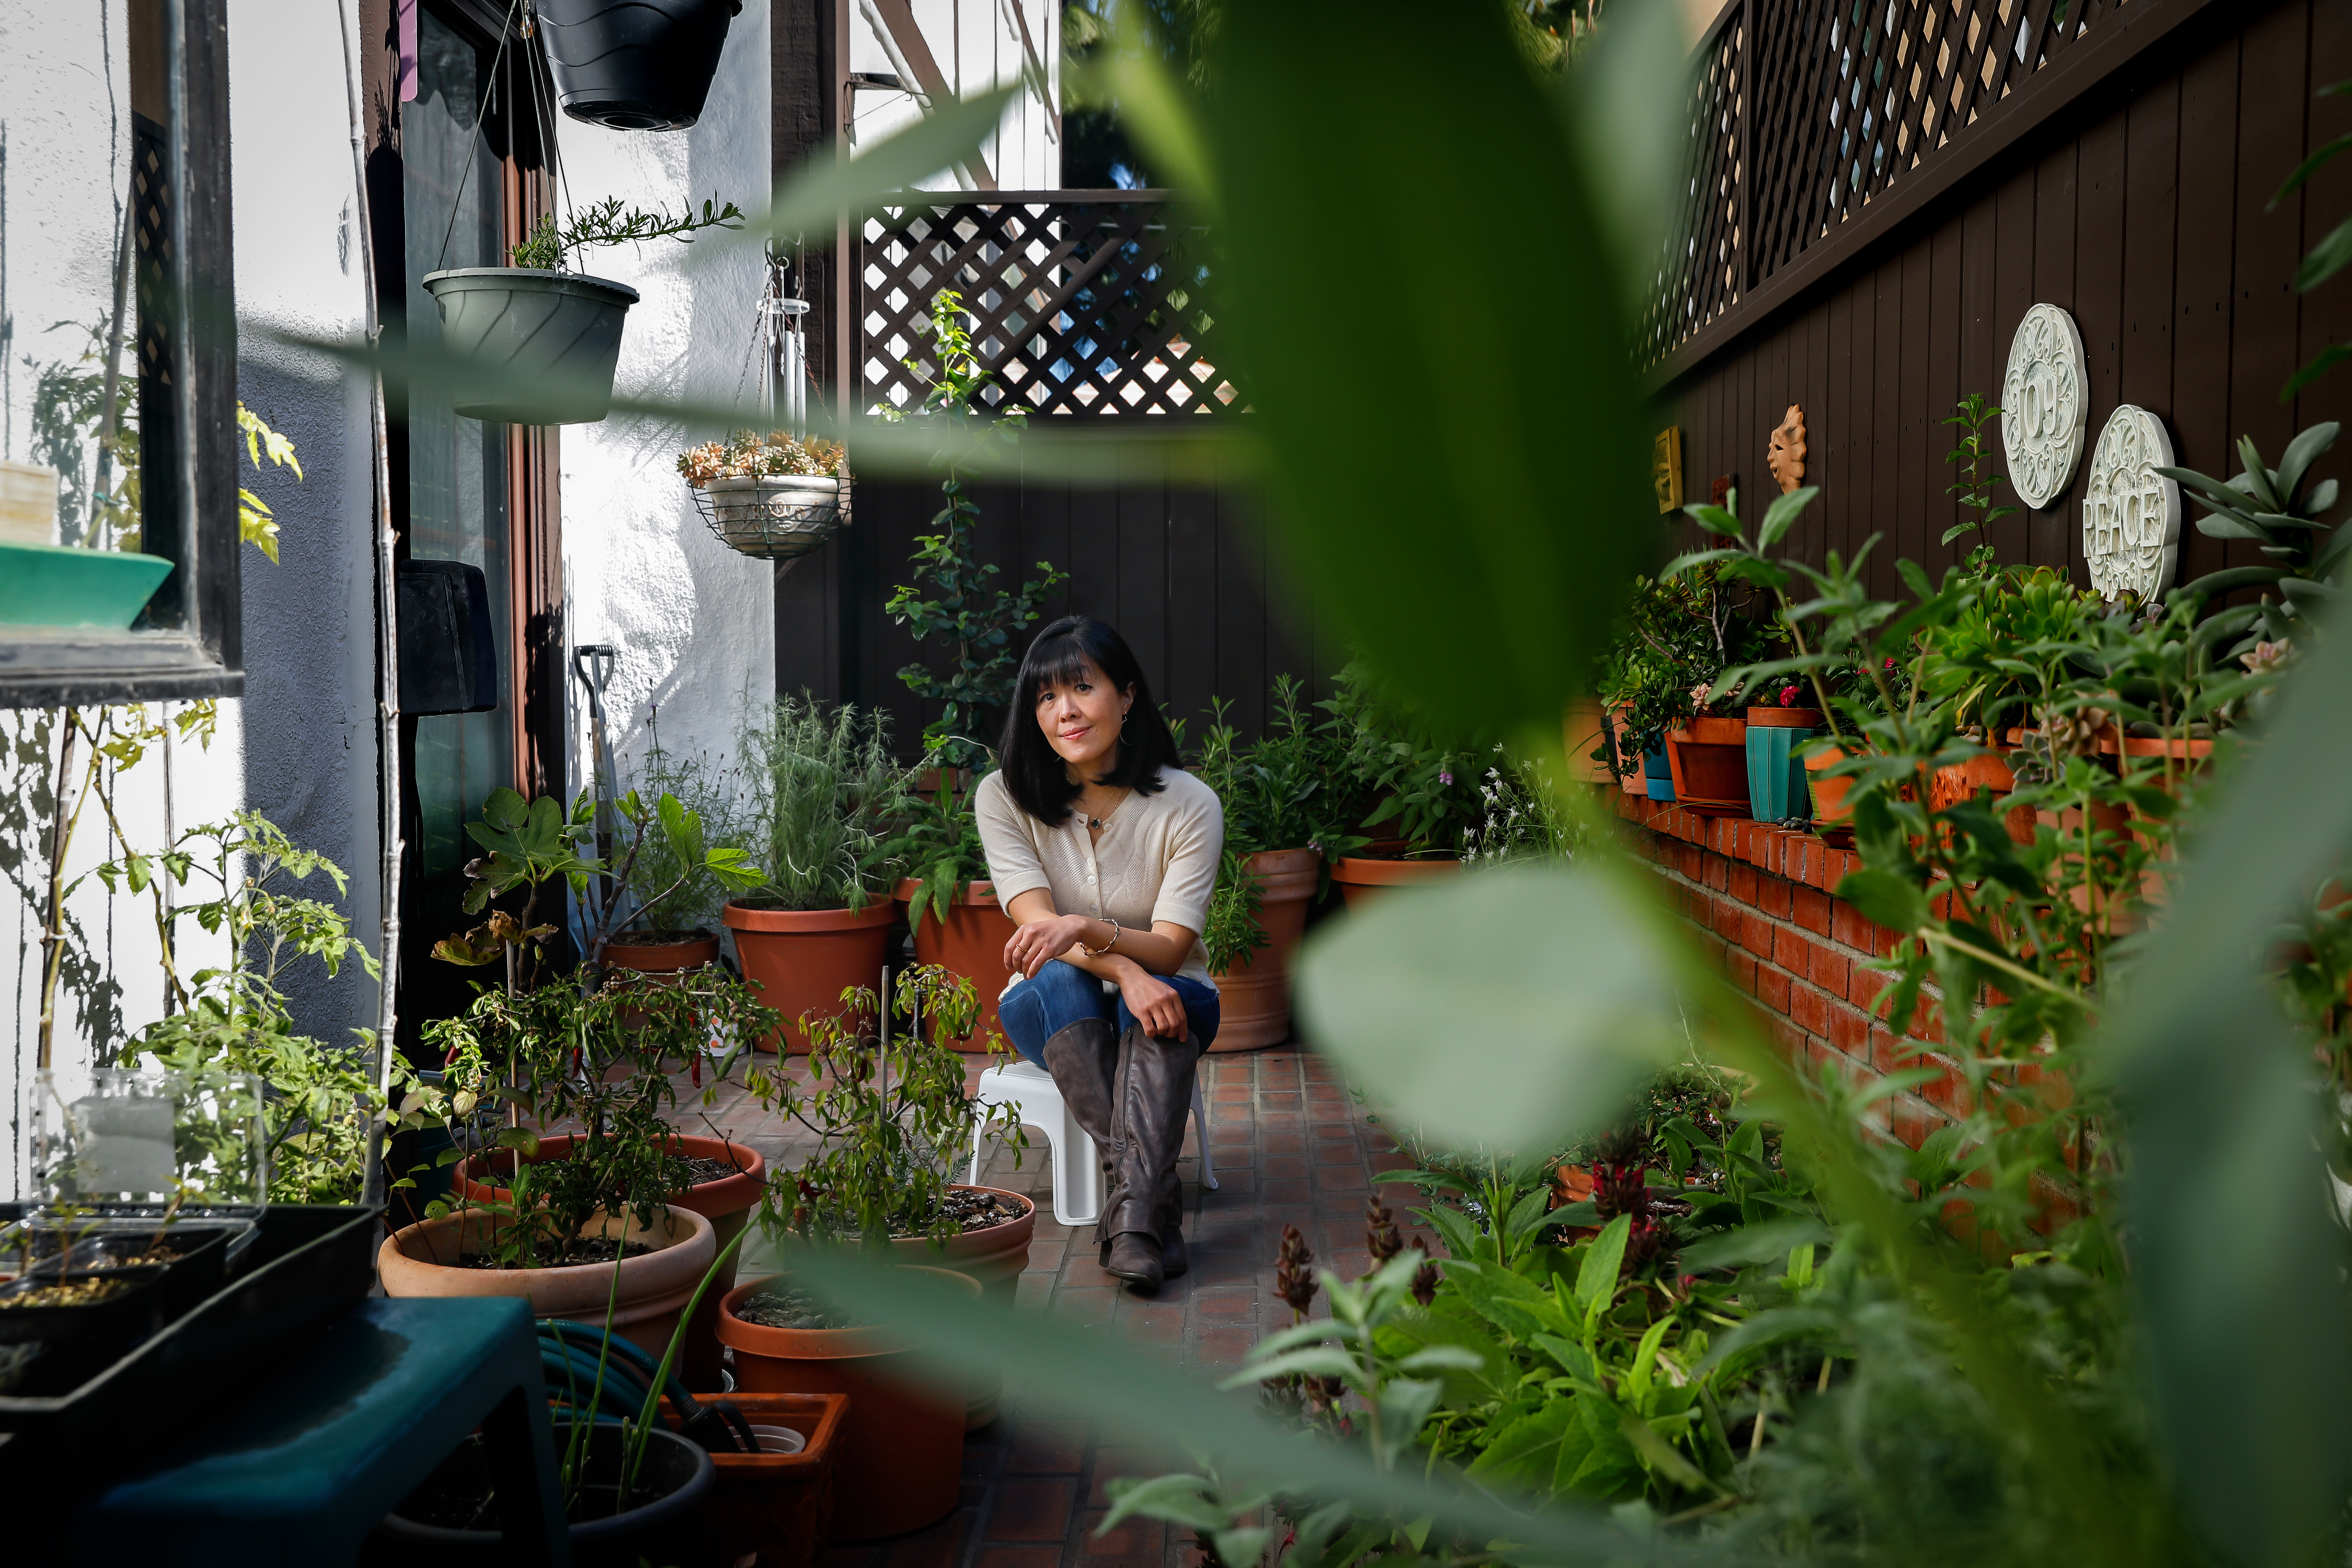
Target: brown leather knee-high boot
point(1152, 1094)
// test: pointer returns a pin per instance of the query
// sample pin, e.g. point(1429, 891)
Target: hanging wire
point(550, 143)
point(481, 114)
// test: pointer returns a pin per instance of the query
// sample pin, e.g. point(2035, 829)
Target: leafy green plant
point(889, 1112)
point(938, 844)
point(1975, 486)
point(824, 789)
point(2326, 258)
point(962, 607)
point(680, 879)
point(2283, 511)
point(1232, 933)
point(613, 222)
point(1400, 773)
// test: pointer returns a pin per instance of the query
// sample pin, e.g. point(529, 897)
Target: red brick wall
point(1760, 897)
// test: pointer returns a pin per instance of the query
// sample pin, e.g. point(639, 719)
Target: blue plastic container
point(1776, 774)
point(1658, 775)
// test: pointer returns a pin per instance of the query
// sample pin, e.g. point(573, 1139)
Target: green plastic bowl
point(54, 585)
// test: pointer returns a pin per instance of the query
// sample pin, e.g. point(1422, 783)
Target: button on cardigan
point(1156, 861)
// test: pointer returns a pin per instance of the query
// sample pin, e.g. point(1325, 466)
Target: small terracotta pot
point(1829, 793)
point(1629, 753)
point(1358, 880)
point(1254, 996)
point(1583, 733)
point(420, 1259)
point(971, 943)
point(1765, 716)
point(694, 951)
point(1573, 1185)
point(1708, 757)
point(900, 1454)
point(800, 960)
point(727, 1204)
point(1949, 786)
point(776, 1505)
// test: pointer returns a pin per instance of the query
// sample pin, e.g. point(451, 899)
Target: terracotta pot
point(1582, 733)
point(776, 1505)
point(727, 1204)
point(694, 951)
point(971, 943)
point(1763, 716)
point(1708, 757)
point(1358, 880)
point(1829, 793)
point(900, 1455)
point(1573, 1185)
point(1628, 752)
point(994, 1259)
point(1948, 787)
point(1254, 995)
point(420, 1259)
point(800, 960)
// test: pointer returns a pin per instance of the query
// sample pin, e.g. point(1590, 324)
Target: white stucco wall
point(694, 620)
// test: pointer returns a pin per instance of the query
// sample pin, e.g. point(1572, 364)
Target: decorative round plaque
point(2131, 513)
point(2042, 406)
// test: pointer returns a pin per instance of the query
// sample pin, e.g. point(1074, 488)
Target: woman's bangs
point(1063, 662)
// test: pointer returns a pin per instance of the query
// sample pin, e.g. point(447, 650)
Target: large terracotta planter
point(994, 1259)
point(971, 943)
point(901, 1463)
point(727, 1204)
point(1254, 995)
point(1358, 880)
point(420, 1259)
point(800, 960)
point(1708, 757)
point(778, 1505)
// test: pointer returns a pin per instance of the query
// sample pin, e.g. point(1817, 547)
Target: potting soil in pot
point(709, 1170)
point(975, 1209)
point(582, 1250)
point(792, 1308)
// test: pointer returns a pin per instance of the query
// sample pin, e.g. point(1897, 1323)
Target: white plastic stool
point(1037, 1100)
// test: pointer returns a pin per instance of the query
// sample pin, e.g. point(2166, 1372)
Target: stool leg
point(519, 1447)
point(973, 1180)
point(1077, 1175)
point(1201, 1125)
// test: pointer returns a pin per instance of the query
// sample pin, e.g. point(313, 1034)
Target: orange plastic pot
point(1358, 880)
point(725, 1203)
point(1254, 993)
point(800, 960)
point(900, 1457)
point(775, 1505)
point(1708, 757)
point(971, 943)
point(422, 1260)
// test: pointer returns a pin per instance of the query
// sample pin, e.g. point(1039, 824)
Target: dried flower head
point(1382, 1238)
point(1294, 1271)
point(1424, 1281)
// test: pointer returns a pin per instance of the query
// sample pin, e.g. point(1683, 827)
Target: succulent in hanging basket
point(777, 497)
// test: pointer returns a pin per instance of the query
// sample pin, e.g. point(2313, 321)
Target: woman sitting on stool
point(1104, 851)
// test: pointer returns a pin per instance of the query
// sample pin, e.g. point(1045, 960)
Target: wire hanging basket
point(777, 517)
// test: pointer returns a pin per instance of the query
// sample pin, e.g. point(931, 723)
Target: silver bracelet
point(1098, 952)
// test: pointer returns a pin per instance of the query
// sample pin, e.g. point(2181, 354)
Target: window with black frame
point(119, 524)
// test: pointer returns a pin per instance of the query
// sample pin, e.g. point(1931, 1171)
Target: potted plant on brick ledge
point(894, 1126)
point(1401, 779)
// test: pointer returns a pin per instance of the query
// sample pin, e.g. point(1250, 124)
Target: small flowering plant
point(747, 454)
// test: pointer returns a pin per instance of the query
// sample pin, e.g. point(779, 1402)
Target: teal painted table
point(334, 1435)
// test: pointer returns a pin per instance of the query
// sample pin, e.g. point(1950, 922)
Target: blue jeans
point(1061, 994)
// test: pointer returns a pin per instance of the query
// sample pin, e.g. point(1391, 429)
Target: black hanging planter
point(634, 65)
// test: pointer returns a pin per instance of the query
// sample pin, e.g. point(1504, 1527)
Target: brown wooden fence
point(2123, 168)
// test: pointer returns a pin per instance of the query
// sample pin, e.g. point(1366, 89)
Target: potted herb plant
point(539, 343)
point(894, 1125)
point(952, 911)
point(825, 787)
point(776, 496)
point(678, 868)
point(1401, 779)
point(1275, 800)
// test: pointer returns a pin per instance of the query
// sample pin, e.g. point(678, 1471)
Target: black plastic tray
point(306, 1265)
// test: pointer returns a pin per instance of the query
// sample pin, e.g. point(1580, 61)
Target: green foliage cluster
point(1278, 793)
point(613, 222)
point(936, 844)
point(1676, 634)
point(824, 791)
point(887, 1107)
point(1402, 771)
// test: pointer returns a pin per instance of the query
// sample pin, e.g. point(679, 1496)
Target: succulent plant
point(2281, 509)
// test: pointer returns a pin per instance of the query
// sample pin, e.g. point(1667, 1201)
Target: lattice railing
point(1804, 111)
point(1090, 303)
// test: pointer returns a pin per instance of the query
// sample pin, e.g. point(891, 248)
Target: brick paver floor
point(1291, 1146)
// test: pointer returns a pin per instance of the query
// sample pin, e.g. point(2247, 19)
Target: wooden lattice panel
point(1079, 303)
point(1804, 111)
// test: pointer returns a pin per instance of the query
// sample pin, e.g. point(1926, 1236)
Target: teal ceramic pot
point(1658, 774)
point(1776, 774)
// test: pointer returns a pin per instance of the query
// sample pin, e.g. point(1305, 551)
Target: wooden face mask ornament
point(1784, 454)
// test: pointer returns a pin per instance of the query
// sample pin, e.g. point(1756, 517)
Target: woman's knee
point(1050, 1001)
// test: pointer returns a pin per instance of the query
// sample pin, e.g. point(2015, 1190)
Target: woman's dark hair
point(1035, 771)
